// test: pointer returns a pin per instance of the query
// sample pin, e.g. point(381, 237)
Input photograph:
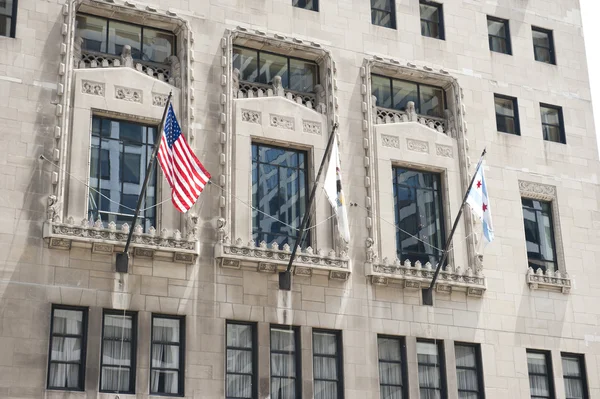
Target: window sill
point(551, 281)
point(108, 240)
point(419, 276)
point(272, 260)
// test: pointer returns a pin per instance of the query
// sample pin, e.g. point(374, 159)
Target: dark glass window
point(167, 355)
point(120, 153)
point(541, 385)
point(392, 367)
point(279, 194)
point(241, 361)
point(383, 13)
point(574, 374)
point(543, 45)
point(286, 381)
point(499, 35)
point(418, 208)
point(507, 114)
point(395, 94)
point(104, 35)
point(68, 336)
point(539, 234)
point(8, 17)
point(468, 371)
point(261, 67)
point(119, 343)
point(327, 365)
point(552, 123)
point(312, 5)
point(432, 382)
point(432, 19)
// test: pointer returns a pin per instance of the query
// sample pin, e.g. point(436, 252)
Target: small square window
point(539, 365)
point(312, 5)
point(383, 13)
point(499, 35)
point(432, 19)
point(539, 234)
point(543, 45)
point(552, 123)
point(507, 114)
point(8, 17)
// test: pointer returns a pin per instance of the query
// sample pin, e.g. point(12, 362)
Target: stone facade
point(205, 266)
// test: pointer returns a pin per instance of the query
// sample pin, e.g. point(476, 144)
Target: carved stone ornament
point(282, 122)
point(126, 58)
point(390, 141)
point(251, 116)
point(417, 145)
point(278, 89)
point(311, 127)
point(128, 94)
point(444, 151)
point(93, 88)
point(175, 78)
point(159, 100)
point(557, 281)
point(537, 190)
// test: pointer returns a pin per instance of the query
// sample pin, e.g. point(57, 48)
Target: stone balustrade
point(558, 281)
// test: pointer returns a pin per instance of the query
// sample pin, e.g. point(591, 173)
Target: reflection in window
point(552, 123)
point(166, 367)
point(392, 367)
point(395, 94)
point(541, 385)
point(507, 114)
point(539, 234)
point(383, 13)
point(119, 342)
point(327, 365)
point(432, 20)
point(119, 156)
point(285, 363)
point(543, 45)
point(431, 375)
point(279, 194)
point(418, 207)
point(241, 370)
point(312, 5)
point(499, 35)
point(8, 17)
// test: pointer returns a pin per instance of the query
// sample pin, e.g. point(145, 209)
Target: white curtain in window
point(429, 370)
point(239, 361)
point(466, 370)
point(573, 378)
point(116, 351)
point(165, 356)
point(325, 368)
point(67, 322)
point(539, 384)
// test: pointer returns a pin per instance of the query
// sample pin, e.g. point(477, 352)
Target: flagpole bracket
point(427, 296)
point(122, 264)
point(285, 280)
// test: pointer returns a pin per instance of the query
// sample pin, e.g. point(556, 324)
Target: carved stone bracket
point(557, 281)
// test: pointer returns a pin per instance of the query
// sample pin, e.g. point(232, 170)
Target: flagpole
point(285, 278)
point(428, 292)
point(122, 264)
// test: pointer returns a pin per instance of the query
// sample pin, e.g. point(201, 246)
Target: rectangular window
point(499, 35)
point(383, 13)
point(552, 123)
point(468, 371)
point(432, 19)
point(286, 381)
point(392, 367)
point(312, 5)
point(119, 343)
point(543, 45)
point(432, 382)
point(418, 208)
point(507, 114)
point(396, 93)
point(261, 67)
point(539, 365)
point(8, 17)
point(539, 234)
point(167, 355)
point(327, 365)
point(68, 336)
point(102, 35)
point(120, 152)
point(574, 374)
point(241, 379)
point(279, 194)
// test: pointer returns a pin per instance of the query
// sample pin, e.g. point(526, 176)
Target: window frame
point(442, 365)
point(478, 367)
point(553, 233)
point(297, 357)
point(551, 49)
point(517, 121)
point(505, 22)
point(13, 20)
point(582, 370)
point(392, 12)
point(181, 369)
point(315, 5)
point(134, 342)
point(141, 36)
point(254, 377)
point(403, 363)
point(440, 23)
point(561, 123)
point(339, 358)
point(549, 376)
point(83, 358)
point(418, 84)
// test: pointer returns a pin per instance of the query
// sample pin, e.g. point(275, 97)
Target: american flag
point(184, 172)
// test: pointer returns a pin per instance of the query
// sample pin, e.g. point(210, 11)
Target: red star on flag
point(479, 184)
point(485, 207)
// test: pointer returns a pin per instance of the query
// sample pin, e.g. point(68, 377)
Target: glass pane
point(498, 45)
point(239, 386)
point(93, 32)
point(389, 349)
point(325, 368)
point(403, 93)
point(385, 5)
point(430, 29)
point(536, 363)
point(542, 54)
point(429, 376)
point(574, 388)
point(552, 133)
point(282, 340)
point(324, 343)
point(131, 132)
point(382, 18)
point(283, 365)
point(283, 388)
point(465, 356)
point(541, 39)
point(390, 373)
point(303, 76)
point(162, 381)
point(165, 330)
point(6, 7)
point(5, 25)
point(121, 34)
point(63, 375)
point(390, 392)
point(380, 88)
point(547, 242)
point(550, 115)
point(131, 167)
point(246, 62)
point(67, 322)
point(432, 101)
point(158, 45)
point(467, 379)
point(427, 352)
point(165, 356)
point(539, 386)
point(468, 395)
point(116, 352)
point(239, 361)
point(272, 65)
point(326, 390)
point(115, 379)
point(429, 13)
point(571, 367)
point(496, 28)
point(239, 335)
point(504, 106)
point(66, 349)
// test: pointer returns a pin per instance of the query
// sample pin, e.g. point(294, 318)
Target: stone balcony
point(549, 280)
point(386, 116)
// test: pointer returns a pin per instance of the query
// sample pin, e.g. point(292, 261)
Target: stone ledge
point(103, 240)
point(552, 281)
point(272, 260)
point(419, 276)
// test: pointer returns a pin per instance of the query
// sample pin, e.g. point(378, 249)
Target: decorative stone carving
point(251, 116)
point(175, 78)
point(282, 122)
point(444, 151)
point(192, 226)
point(390, 141)
point(93, 88)
point(321, 101)
point(235, 82)
point(159, 100)
point(311, 127)
point(126, 58)
point(267, 267)
point(558, 280)
point(417, 146)
point(537, 190)
point(77, 43)
point(411, 111)
point(221, 233)
point(128, 94)
point(52, 207)
point(278, 89)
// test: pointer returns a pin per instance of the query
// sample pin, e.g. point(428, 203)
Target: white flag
point(333, 190)
point(480, 205)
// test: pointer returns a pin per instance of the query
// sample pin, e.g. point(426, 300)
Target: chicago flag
point(479, 202)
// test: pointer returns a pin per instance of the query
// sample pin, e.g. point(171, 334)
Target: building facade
point(418, 90)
